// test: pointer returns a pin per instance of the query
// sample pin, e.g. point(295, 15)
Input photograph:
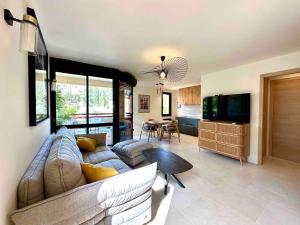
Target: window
point(84, 104)
point(86, 99)
point(166, 104)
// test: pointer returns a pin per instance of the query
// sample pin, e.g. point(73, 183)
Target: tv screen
point(214, 107)
point(234, 108)
point(238, 108)
point(206, 108)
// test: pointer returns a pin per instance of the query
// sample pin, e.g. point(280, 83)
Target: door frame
point(264, 109)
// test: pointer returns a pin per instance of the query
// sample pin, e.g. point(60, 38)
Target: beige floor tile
point(208, 212)
point(277, 214)
point(220, 191)
point(176, 217)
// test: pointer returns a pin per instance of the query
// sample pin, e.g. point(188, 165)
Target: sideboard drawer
point(230, 128)
point(230, 139)
point(207, 126)
point(205, 134)
point(230, 149)
point(207, 144)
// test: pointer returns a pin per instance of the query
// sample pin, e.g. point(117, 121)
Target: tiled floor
point(220, 191)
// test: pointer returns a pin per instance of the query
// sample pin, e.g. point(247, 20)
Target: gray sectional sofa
point(53, 190)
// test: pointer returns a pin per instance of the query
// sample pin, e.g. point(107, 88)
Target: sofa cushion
point(93, 173)
point(131, 149)
point(132, 161)
point(66, 133)
point(101, 148)
point(119, 146)
point(98, 157)
point(99, 137)
point(119, 165)
point(62, 170)
point(31, 186)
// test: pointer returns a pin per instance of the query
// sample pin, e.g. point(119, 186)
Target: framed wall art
point(144, 103)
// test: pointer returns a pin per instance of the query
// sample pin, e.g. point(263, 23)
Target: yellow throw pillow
point(87, 144)
point(94, 173)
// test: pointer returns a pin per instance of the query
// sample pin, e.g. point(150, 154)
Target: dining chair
point(149, 129)
point(170, 129)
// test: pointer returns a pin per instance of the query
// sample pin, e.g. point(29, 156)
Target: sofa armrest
point(72, 207)
point(100, 138)
point(127, 186)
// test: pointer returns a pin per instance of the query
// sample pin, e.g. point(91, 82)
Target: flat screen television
point(234, 108)
point(206, 108)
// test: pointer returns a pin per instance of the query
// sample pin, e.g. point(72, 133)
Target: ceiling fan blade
point(171, 70)
point(177, 68)
point(149, 72)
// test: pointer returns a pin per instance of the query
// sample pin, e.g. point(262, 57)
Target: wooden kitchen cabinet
point(196, 95)
point(184, 96)
point(180, 96)
point(190, 95)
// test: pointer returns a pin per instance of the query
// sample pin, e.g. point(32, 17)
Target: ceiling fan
point(172, 70)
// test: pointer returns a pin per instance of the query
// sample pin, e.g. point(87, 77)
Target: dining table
point(158, 124)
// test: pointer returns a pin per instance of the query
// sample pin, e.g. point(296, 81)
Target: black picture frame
point(38, 80)
point(144, 104)
point(170, 104)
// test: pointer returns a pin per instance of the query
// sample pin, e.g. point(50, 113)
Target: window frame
point(87, 70)
point(170, 104)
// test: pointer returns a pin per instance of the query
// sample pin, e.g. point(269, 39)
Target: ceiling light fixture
point(28, 31)
point(162, 75)
point(171, 70)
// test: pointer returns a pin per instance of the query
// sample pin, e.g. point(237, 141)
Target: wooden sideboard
point(225, 138)
point(190, 95)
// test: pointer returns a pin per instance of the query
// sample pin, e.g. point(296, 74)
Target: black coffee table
point(168, 163)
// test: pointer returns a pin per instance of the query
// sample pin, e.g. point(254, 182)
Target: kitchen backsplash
point(189, 110)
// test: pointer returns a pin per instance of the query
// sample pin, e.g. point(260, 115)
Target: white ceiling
point(132, 34)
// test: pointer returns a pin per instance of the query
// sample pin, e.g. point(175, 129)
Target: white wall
point(189, 110)
point(246, 78)
point(155, 106)
point(19, 142)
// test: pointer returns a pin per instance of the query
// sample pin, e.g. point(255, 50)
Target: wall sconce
point(28, 31)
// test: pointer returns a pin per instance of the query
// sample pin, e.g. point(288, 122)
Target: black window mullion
point(116, 120)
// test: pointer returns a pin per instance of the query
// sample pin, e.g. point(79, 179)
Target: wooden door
point(284, 115)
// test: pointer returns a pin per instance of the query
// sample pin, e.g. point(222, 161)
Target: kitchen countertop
point(190, 117)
